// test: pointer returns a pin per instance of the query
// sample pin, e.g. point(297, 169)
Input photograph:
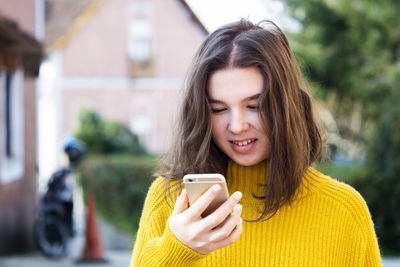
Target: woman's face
point(236, 124)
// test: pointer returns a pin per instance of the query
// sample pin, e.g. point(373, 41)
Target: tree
point(351, 48)
point(105, 137)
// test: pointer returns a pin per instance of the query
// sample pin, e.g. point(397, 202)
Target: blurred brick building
point(20, 57)
point(125, 59)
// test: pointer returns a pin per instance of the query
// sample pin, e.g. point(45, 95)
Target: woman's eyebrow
point(253, 97)
point(215, 101)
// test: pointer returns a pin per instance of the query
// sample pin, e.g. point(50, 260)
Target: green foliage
point(101, 136)
point(117, 170)
point(119, 184)
point(381, 187)
point(352, 48)
point(347, 174)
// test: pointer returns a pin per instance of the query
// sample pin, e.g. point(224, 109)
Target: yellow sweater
point(328, 224)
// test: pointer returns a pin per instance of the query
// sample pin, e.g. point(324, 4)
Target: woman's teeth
point(243, 143)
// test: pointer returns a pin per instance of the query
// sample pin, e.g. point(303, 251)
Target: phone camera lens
point(190, 180)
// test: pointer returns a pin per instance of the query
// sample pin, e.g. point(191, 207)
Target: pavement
point(117, 258)
point(391, 262)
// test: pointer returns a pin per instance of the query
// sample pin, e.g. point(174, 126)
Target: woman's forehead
point(235, 83)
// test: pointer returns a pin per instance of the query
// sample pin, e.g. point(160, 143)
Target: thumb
point(181, 203)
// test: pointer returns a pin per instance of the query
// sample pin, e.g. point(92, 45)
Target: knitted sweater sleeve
point(155, 244)
point(362, 244)
point(372, 255)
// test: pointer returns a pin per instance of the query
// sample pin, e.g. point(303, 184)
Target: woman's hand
point(205, 235)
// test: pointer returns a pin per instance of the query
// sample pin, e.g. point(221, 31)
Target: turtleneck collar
point(247, 179)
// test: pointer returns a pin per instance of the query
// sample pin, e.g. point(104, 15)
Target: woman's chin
point(246, 161)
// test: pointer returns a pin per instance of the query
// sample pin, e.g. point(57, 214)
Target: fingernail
point(238, 208)
point(183, 192)
point(241, 220)
point(216, 187)
point(238, 196)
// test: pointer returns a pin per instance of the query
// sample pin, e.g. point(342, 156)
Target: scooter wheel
point(51, 236)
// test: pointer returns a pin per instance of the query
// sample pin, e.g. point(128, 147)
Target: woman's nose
point(238, 122)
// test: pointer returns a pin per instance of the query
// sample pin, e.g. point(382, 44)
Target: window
point(141, 126)
point(12, 143)
point(139, 48)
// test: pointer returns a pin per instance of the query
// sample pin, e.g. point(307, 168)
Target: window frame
point(12, 135)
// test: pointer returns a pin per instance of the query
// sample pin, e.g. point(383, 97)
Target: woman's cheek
point(255, 120)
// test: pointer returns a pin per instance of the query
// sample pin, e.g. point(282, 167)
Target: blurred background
point(110, 73)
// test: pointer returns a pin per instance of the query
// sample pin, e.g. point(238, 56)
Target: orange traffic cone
point(93, 251)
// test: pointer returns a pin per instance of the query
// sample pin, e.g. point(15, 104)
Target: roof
point(194, 17)
point(61, 16)
point(66, 18)
point(18, 48)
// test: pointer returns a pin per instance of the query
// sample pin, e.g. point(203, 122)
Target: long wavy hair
point(285, 109)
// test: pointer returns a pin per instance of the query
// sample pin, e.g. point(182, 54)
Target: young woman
point(247, 115)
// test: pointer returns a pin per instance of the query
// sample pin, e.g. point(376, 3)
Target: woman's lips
point(243, 146)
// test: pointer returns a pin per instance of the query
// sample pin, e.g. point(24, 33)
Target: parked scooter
point(54, 224)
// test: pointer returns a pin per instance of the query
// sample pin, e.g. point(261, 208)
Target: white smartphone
point(197, 184)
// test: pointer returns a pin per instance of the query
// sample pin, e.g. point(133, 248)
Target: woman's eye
point(255, 107)
point(217, 110)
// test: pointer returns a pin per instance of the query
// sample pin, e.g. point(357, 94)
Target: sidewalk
point(116, 258)
point(391, 262)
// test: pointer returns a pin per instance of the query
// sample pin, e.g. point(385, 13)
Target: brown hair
point(285, 108)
